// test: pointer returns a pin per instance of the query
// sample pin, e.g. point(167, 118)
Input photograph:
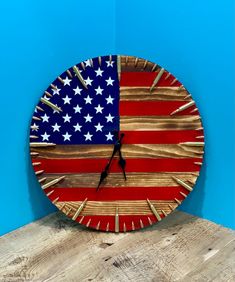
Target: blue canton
point(89, 116)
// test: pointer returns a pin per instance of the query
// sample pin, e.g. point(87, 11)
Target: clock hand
point(104, 173)
point(122, 163)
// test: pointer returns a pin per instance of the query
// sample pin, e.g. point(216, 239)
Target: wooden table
point(180, 248)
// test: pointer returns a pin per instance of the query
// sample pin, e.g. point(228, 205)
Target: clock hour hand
point(104, 173)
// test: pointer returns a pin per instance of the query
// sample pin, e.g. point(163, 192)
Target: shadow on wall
point(40, 204)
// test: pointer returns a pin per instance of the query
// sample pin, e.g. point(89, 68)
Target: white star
point(109, 136)
point(88, 136)
point(34, 127)
point(99, 90)
point(67, 99)
point(109, 100)
point(45, 137)
point(56, 127)
point(109, 64)
point(109, 118)
point(56, 91)
point(109, 81)
point(67, 81)
point(77, 109)
point(77, 90)
point(88, 81)
point(66, 118)
point(77, 127)
point(88, 99)
point(45, 118)
point(99, 109)
point(99, 127)
point(88, 63)
point(88, 118)
point(99, 72)
point(66, 136)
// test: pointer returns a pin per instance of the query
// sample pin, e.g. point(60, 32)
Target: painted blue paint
point(195, 40)
point(38, 41)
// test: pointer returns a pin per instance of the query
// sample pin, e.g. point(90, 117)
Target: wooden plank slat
point(129, 63)
point(124, 207)
point(159, 122)
point(41, 144)
point(158, 93)
point(128, 151)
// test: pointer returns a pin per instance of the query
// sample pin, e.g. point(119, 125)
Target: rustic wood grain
point(134, 64)
point(128, 151)
point(158, 93)
point(124, 207)
point(160, 122)
point(179, 248)
point(219, 268)
point(116, 179)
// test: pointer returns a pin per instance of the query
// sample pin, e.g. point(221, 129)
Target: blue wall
point(38, 41)
point(192, 39)
point(195, 40)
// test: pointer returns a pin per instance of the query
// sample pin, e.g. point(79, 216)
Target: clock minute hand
point(122, 163)
point(104, 173)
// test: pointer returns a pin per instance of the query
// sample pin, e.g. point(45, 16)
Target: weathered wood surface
point(125, 207)
point(159, 122)
point(157, 94)
point(128, 151)
point(131, 63)
point(179, 248)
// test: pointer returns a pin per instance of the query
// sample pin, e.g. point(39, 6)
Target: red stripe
point(115, 194)
point(132, 165)
point(145, 79)
point(149, 108)
point(160, 137)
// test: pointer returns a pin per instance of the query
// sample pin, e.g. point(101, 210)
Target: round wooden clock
point(116, 143)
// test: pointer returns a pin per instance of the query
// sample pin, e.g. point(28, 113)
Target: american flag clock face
point(116, 143)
